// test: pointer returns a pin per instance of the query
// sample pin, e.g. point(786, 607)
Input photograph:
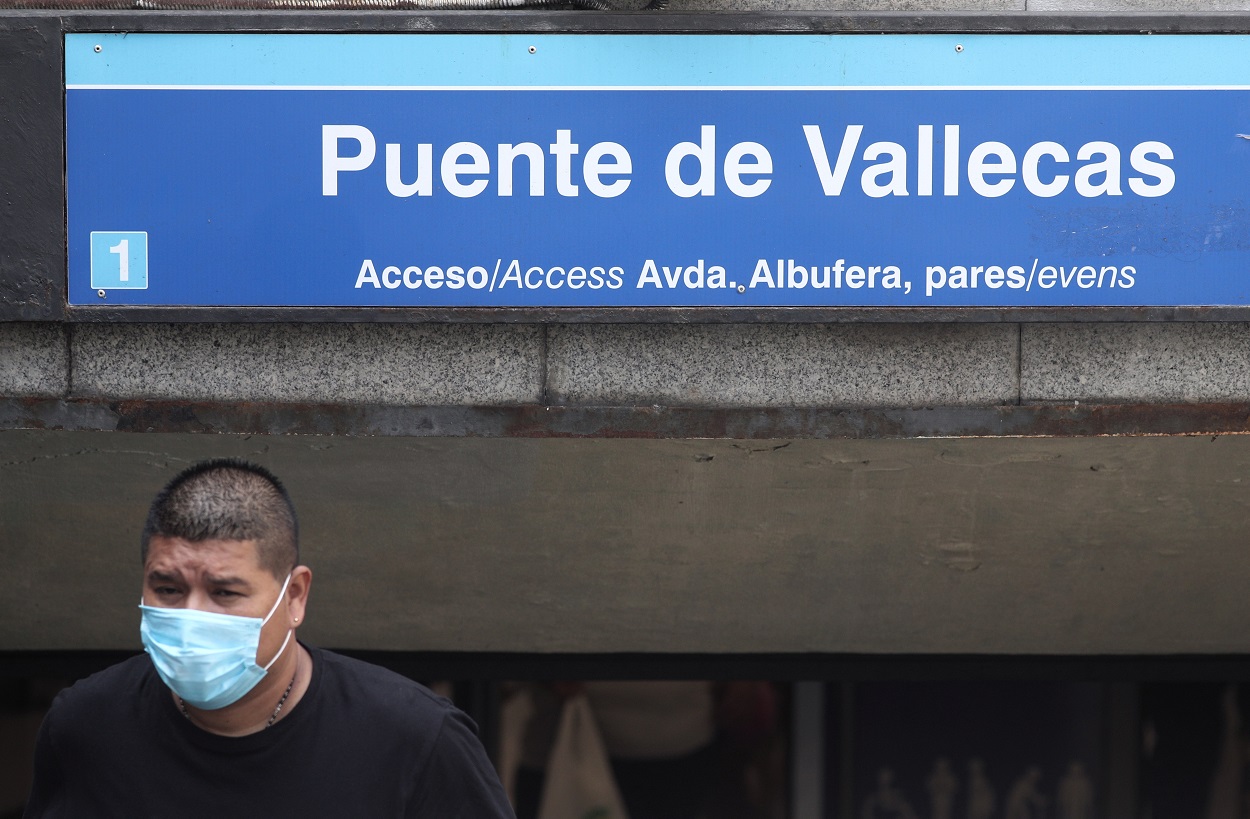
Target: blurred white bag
point(579, 783)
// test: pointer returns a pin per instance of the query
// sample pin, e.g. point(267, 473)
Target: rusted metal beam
point(534, 421)
point(255, 15)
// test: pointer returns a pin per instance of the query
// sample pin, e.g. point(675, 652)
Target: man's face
point(222, 576)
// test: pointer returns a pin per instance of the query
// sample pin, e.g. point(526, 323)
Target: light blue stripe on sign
point(657, 60)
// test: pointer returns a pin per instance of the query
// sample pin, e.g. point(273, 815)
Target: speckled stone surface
point(1110, 6)
point(808, 365)
point(1135, 362)
point(831, 5)
point(338, 363)
point(33, 360)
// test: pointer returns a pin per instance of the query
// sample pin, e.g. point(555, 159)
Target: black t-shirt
point(362, 742)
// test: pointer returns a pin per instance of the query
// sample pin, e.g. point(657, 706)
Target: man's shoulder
point(414, 731)
point(103, 700)
point(375, 688)
point(127, 676)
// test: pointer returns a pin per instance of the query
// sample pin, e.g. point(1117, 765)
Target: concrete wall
point(507, 543)
point(989, 545)
point(1000, 546)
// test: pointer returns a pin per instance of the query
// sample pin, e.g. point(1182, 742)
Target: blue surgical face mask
point(206, 658)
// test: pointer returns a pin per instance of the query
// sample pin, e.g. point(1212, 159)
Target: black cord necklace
point(272, 717)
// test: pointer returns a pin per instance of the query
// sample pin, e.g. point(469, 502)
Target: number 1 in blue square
point(119, 260)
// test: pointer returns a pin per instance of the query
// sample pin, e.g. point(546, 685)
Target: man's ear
point(297, 592)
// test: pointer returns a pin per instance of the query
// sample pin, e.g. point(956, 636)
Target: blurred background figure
point(678, 749)
point(1076, 794)
point(942, 787)
point(887, 802)
point(1228, 783)
point(1024, 801)
point(981, 796)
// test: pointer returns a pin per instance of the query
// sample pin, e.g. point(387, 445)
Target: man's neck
point(254, 712)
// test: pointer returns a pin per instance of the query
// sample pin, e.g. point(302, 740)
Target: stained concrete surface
point(805, 365)
point(1116, 6)
point(1146, 362)
point(714, 365)
point(832, 5)
point(33, 359)
point(1072, 546)
point(375, 363)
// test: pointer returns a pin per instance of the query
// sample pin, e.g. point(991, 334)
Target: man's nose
point(198, 599)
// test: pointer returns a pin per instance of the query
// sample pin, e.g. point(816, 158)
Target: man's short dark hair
point(228, 499)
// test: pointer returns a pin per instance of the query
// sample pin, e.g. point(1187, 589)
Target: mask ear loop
point(279, 654)
point(289, 632)
point(281, 594)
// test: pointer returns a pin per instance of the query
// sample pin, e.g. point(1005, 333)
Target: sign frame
point(32, 275)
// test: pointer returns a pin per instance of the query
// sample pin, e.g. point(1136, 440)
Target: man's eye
point(225, 593)
point(165, 590)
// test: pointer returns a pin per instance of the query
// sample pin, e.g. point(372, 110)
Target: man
point(226, 714)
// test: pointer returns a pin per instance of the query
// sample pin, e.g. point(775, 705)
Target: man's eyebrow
point(227, 581)
point(164, 577)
